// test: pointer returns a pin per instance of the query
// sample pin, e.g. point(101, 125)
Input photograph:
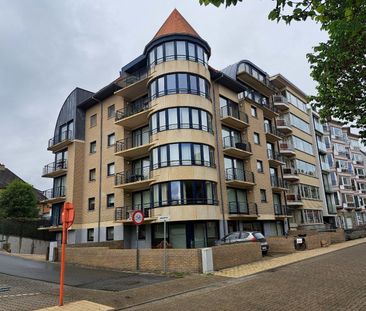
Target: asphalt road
point(74, 275)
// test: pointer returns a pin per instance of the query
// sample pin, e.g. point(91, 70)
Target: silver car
point(245, 236)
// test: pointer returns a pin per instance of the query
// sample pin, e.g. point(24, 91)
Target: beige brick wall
point(281, 244)
point(230, 255)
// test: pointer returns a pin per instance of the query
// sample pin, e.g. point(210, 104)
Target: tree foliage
point(18, 200)
point(338, 65)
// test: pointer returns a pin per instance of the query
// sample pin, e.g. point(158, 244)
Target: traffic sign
point(68, 214)
point(163, 218)
point(137, 217)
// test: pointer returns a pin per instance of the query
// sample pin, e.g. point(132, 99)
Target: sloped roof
point(176, 24)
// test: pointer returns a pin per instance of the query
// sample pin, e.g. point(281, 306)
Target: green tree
point(338, 65)
point(18, 200)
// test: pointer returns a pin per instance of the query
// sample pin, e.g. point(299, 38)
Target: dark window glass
point(111, 111)
point(93, 147)
point(90, 235)
point(182, 82)
point(110, 200)
point(109, 233)
point(92, 174)
point(91, 204)
point(171, 85)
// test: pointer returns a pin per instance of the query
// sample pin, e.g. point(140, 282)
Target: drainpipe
point(218, 154)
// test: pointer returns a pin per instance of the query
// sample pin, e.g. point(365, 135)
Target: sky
point(47, 48)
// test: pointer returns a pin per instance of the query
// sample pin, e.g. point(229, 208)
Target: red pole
point(62, 270)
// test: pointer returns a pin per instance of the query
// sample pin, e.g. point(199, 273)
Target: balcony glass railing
point(243, 208)
point(64, 136)
point(239, 174)
point(290, 171)
point(54, 167)
point(131, 176)
point(318, 127)
point(133, 141)
point(325, 166)
point(293, 198)
point(232, 142)
point(231, 111)
point(322, 146)
point(279, 99)
point(55, 192)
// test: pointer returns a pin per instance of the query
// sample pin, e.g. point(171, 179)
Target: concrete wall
point(230, 255)
point(24, 245)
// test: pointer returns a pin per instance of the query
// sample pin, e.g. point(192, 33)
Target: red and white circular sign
point(137, 217)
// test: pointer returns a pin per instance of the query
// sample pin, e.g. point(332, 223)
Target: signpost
point(138, 219)
point(164, 219)
point(68, 216)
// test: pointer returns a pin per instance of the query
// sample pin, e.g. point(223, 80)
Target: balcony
point(263, 102)
point(240, 209)
point(51, 224)
point(233, 117)
point(60, 141)
point(290, 174)
point(133, 86)
point(322, 148)
point(318, 127)
point(133, 115)
point(280, 210)
point(274, 158)
point(239, 178)
point(250, 76)
point(325, 166)
point(342, 138)
point(132, 147)
point(272, 135)
point(236, 149)
point(284, 126)
point(328, 188)
point(287, 149)
point(55, 169)
point(55, 195)
point(124, 214)
point(137, 179)
point(278, 184)
point(280, 102)
point(294, 199)
point(357, 162)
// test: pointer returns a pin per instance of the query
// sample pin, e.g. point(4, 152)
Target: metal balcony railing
point(63, 136)
point(238, 174)
point(293, 198)
point(289, 171)
point(232, 111)
point(272, 155)
point(55, 192)
point(283, 122)
point(243, 208)
point(131, 176)
point(132, 108)
point(279, 99)
point(280, 209)
point(286, 146)
point(55, 166)
point(133, 78)
point(133, 141)
point(278, 182)
point(322, 146)
point(125, 213)
point(232, 142)
point(270, 129)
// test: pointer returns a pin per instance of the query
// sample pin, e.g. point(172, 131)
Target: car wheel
point(264, 252)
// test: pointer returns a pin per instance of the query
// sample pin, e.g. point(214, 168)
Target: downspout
point(218, 154)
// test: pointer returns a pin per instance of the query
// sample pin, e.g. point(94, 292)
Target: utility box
point(207, 260)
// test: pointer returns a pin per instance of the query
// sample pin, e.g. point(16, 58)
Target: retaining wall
point(24, 245)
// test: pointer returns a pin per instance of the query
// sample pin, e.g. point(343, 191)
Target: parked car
point(245, 236)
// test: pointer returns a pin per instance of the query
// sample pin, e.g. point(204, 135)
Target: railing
point(283, 122)
point(63, 136)
point(338, 137)
point(55, 166)
point(183, 162)
point(185, 201)
point(279, 99)
point(278, 182)
point(238, 174)
point(232, 142)
point(322, 146)
point(289, 171)
point(293, 198)
point(230, 111)
point(280, 209)
point(255, 97)
point(132, 108)
point(325, 165)
point(286, 146)
point(254, 73)
point(131, 176)
point(125, 213)
point(269, 128)
point(243, 208)
point(328, 188)
point(272, 155)
point(318, 127)
point(133, 78)
point(359, 162)
point(133, 141)
point(55, 192)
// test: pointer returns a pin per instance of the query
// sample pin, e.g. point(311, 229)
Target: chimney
point(2, 167)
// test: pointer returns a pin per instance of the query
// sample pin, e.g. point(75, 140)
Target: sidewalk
point(35, 257)
point(259, 266)
point(82, 305)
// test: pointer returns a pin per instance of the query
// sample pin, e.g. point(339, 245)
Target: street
point(335, 281)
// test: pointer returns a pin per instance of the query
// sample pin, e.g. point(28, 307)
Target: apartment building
point(172, 136)
point(347, 174)
point(305, 195)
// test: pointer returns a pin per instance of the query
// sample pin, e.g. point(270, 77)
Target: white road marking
point(19, 295)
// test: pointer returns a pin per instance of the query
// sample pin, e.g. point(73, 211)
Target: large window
point(302, 145)
point(184, 192)
point(182, 154)
point(177, 50)
point(312, 216)
point(306, 168)
point(297, 102)
point(237, 200)
point(179, 83)
point(299, 123)
point(309, 192)
point(180, 118)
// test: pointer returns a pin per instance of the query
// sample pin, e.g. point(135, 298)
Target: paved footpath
point(259, 266)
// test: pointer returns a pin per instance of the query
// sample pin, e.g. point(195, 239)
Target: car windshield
point(258, 235)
